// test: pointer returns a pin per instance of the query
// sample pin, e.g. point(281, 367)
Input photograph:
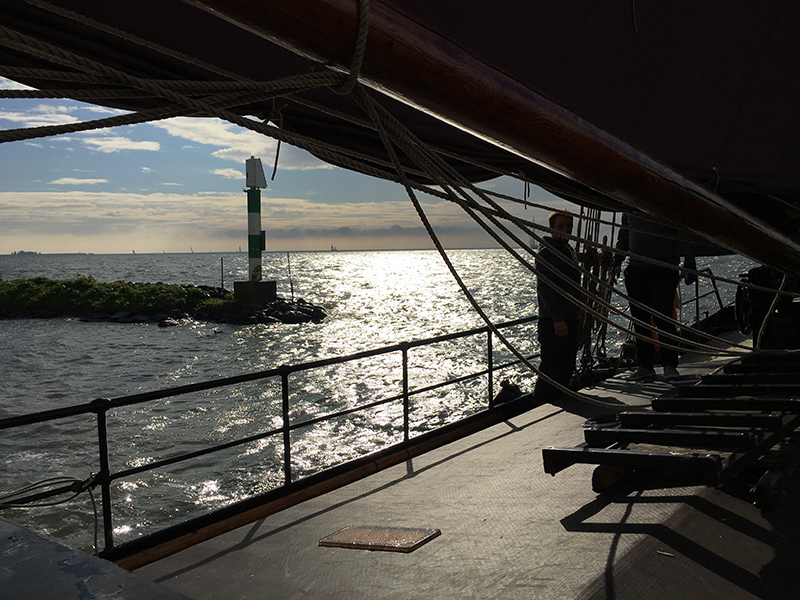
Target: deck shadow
point(715, 545)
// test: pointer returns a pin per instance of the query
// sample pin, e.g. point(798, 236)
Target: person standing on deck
point(653, 286)
point(559, 316)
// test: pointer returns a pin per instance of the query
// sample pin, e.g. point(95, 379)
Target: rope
point(177, 92)
point(412, 151)
point(358, 57)
point(79, 18)
point(358, 53)
point(37, 48)
point(577, 300)
point(769, 313)
point(78, 486)
point(382, 119)
point(220, 101)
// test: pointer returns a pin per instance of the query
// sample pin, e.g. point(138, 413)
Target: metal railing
point(103, 406)
point(698, 296)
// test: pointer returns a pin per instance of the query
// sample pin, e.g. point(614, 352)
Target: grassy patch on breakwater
point(85, 297)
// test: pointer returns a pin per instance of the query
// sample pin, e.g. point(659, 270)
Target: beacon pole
point(254, 290)
point(256, 238)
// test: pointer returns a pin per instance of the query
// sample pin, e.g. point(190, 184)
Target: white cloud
point(76, 181)
point(116, 143)
point(145, 169)
point(40, 116)
point(238, 144)
point(7, 84)
point(51, 114)
point(229, 173)
point(104, 110)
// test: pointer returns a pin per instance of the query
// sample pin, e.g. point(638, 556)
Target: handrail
point(698, 296)
point(101, 407)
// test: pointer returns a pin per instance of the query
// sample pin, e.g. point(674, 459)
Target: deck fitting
point(392, 539)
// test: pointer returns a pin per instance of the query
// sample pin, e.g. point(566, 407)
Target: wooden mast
point(413, 63)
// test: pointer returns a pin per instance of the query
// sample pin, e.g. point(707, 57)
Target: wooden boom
point(408, 61)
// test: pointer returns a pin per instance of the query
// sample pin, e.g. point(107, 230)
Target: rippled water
point(374, 299)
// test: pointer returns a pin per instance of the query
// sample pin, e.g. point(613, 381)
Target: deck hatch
point(392, 539)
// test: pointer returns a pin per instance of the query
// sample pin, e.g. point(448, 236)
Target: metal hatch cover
point(391, 539)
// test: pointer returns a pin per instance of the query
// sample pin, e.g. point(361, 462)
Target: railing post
point(406, 417)
point(490, 368)
point(101, 407)
point(697, 300)
point(287, 443)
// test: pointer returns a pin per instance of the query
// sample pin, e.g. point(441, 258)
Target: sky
point(178, 186)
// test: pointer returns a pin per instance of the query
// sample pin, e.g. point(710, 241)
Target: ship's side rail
point(103, 407)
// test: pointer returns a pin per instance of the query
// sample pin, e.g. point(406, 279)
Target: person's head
point(560, 222)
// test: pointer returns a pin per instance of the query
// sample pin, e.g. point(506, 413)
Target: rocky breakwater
point(278, 311)
point(126, 302)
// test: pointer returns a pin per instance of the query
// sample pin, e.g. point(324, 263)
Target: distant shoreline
point(234, 252)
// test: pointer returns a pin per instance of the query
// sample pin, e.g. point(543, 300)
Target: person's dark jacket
point(552, 304)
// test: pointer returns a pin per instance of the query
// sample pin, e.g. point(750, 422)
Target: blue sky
point(178, 184)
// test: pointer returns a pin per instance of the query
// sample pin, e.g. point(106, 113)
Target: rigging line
point(615, 225)
point(50, 74)
point(32, 46)
point(27, 133)
point(578, 301)
point(276, 112)
point(418, 149)
point(415, 147)
point(509, 217)
point(70, 59)
point(86, 485)
point(131, 38)
point(355, 65)
point(682, 269)
point(606, 305)
point(40, 484)
point(35, 47)
point(292, 84)
point(227, 118)
point(604, 284)
point(467, 207)
point(685, 270)
point(609, 306)
point(369, 106)
point(358, 52)
point(573, 195)
point(30, 133)
point(769, 313)
point(438, 150)
point(74, 94)
point(253, 91)
point(447, 153)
